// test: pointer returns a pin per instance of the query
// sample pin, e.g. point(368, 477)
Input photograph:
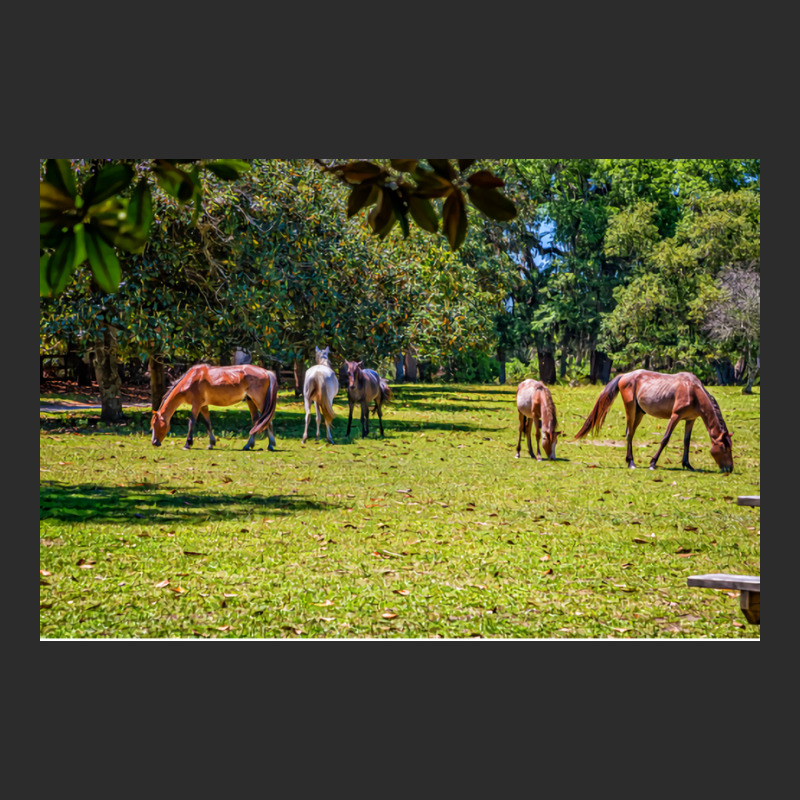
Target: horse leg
point(528, 429)
point(192, 423)
point(380, 415)
point(687, 435)
point(673, 421)
point(364, 418)
point(206, 417)
point(538, 423)
point(633, 415)
point(254, 412)
point(350, 418)
point(308, 414)
point(316, 409)
point(521, 431)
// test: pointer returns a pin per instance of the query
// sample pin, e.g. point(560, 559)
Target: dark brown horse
point(536, 408)
point(674, 397)
point(203, 386)
point(364, 386)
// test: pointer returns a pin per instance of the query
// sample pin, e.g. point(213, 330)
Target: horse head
point(160, 428)
point(722, 452)
point(322, 355)
point(351, 373)
point(549, 441)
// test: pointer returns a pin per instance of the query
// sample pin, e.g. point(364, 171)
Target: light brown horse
point(536, 408)
point(202, 386)
point(674, 397)
point(364, 386)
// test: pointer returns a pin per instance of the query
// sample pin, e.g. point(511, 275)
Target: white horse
point(320, 387)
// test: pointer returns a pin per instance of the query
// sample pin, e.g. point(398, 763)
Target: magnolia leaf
point(228, 169)
point(429, 184)
point(404, 164)
point(358, 198)
point(140, 212)
point(103, 261)
point(492, 203)
point(106, 183)
point(443, 167)
point(423, 213)
point(359, 171)
point(44, 286)
point(53, 200)
point(58, 172)
point(485, 179)
point(454, 219)
point(64, 260)
point(400, 209)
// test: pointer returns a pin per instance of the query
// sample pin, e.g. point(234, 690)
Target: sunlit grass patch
point(435, 530)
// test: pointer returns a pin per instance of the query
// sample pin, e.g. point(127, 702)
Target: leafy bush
point(517, 371)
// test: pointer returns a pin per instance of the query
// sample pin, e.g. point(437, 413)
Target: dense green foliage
point(619, 259)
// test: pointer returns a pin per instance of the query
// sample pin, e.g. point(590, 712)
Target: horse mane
point(716, 409)
point(548, 410)
point(174, 385)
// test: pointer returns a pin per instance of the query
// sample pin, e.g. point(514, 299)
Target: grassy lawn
point(436, 531)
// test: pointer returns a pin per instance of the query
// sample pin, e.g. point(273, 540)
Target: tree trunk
point(106, 369)
point(547, 366)
point(752, 369)
point(158, 385)
point(501, 360)
point(399, 369)
point(299, 368)
point(599, 367)
point(410, 367)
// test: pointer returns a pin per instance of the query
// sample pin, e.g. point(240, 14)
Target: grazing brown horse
point(320, 386)
point(202, 386)
point(536, 407)
point(674, 397)
point(364, 386)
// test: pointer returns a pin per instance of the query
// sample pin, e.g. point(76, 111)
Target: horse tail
point(386, 392)
point(597, 416)
point(324, 401)
point(270, 405)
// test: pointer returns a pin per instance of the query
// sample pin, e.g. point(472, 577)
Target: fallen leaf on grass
point(178, 589)
point(226, 594)
point(640, 541)
point(690, 528)
point(545, 557)
point(327, 602)
point(199, 633)
point(403, 592)
point(548, 572)
point(44, 572)
point(388, 615)
point(163, 583)
point(225, 628)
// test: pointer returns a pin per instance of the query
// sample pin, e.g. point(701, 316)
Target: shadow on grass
point(233, 425)
point(147, 504)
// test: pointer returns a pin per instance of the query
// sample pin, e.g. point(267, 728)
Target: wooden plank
point(750, 603)
point(718, 580)
point(749, 500)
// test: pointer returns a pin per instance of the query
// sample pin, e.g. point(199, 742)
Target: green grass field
point(436, 531)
